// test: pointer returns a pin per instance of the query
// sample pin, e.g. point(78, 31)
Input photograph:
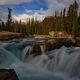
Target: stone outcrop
point(57, 43)
point(8, 74)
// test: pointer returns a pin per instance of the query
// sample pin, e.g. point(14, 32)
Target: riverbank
point(51, 42)
point(4, 35)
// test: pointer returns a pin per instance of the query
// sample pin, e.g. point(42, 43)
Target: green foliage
point(67, 21)
point(73, 18)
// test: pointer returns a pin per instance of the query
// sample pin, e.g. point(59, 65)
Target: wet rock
point(57, 43)
point(36, 50)
point(6, 74)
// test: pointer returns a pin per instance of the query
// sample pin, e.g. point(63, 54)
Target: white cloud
point(67, 2)
point(59, 5)
point(25, 16)
point(41, 11)
point(54, 5)
point(2, 2)
point(39, 17)
point(40, 14)
point(36, 14)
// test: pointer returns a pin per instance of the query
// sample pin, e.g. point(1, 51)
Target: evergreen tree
point(72, 18)
point(9, 21)
point(75, 19)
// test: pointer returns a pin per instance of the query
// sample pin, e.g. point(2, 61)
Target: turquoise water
point(59, 64)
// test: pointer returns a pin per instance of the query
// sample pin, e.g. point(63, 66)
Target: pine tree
point(75, 19)
point(79, 25)
point(9, 21)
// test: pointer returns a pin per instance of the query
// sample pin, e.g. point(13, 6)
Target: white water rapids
point(59, 64)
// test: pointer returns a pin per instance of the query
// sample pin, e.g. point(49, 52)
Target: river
point(58, 64)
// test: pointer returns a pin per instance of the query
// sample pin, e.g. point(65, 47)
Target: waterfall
point(58, 64)
point(25, 51)
point(42, 49)
point(7, 58)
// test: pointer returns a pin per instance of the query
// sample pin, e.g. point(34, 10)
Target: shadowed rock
point(36, 50)
point(8, 74)
point(57, 43)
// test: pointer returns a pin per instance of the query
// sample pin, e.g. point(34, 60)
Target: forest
point(68, 20)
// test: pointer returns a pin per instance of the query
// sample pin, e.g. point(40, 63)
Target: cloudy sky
point(23, 9)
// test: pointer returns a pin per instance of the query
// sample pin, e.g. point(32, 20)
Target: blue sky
point(28, 8)
point(34, 5)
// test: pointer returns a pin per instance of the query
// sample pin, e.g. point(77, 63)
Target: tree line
point(67, 21)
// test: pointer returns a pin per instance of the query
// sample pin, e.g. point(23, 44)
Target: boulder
point(8, 74)
point(57, 43)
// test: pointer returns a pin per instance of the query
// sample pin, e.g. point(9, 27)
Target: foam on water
point(59, 64)
point(7, 58)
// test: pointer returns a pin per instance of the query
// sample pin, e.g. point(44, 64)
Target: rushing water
point(59, 64)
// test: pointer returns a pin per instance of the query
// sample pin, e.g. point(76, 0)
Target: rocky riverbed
point(59, 42)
